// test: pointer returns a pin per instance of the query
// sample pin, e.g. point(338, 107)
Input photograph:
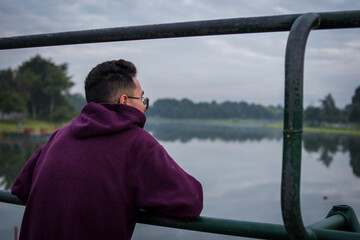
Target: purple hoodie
point(89, 180)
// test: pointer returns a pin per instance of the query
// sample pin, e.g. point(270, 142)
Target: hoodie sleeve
point(23, 182)
point(161, 185)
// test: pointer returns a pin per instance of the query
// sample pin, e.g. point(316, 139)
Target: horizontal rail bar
point(219, 226)
point(7, 197)
point(329, 20)
point(203, 224)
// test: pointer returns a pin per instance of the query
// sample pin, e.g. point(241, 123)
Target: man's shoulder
point(145, 138)
point(145, 135)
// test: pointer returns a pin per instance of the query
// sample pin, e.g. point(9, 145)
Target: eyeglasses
point(144, 100)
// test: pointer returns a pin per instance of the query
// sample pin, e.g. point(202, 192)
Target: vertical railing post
point(293, 117)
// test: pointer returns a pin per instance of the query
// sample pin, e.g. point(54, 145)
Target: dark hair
point(106, 80)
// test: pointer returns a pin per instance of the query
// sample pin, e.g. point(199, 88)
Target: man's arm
point(22, 185)
point(161, 185)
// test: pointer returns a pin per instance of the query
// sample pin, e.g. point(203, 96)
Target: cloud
point(281, 10)
point(225, 48)
point(353, 44)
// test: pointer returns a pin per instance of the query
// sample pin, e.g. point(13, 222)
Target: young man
point(89, 180)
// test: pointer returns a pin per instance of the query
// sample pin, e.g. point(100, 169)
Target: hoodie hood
point(98, 119)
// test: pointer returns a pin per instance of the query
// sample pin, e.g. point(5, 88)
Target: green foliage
point(47, 84)
point(312, 115)
point(10, 93)
point(185, 109)
point(326, 113)
point(329, 113)
point(39, 88)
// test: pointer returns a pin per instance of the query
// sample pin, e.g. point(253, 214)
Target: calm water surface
point(240, 169)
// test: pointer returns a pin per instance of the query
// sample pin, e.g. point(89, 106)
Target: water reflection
point(326, 144)
point(15, 152)
point(354, 149)
point(186, 132)
point(13, 155)
point(329, 145)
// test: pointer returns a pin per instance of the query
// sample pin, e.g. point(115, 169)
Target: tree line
point(39, 89)
point(185, 108)
point(327, 112)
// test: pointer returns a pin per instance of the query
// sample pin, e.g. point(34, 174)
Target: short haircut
point(105, 81)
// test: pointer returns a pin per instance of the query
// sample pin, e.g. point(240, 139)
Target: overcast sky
point(247, 67)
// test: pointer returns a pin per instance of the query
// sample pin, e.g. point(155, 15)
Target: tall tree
point(330, 113)
point(354, 115)
point(47, 86)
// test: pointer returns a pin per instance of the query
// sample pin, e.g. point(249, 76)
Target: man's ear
point(123, 99)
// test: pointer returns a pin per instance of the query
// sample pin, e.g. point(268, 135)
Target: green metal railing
point(341, 222)
point(292, 139)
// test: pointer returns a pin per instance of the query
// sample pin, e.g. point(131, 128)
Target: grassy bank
point(257, 123)
point(36, 126)
point(325, 130)
point(332, 130)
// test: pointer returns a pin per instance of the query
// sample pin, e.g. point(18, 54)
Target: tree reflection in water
point(328, 145)
point(185, 132)
point(13, 155)
point(15, 152)
point(354, 149)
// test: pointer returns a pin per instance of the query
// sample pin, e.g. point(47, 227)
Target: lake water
point(240, 169)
